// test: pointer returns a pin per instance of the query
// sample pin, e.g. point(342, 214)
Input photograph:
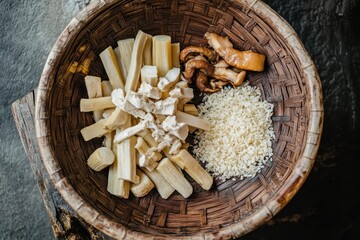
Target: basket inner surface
point(186, 22)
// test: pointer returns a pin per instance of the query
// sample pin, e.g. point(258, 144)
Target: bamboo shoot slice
point(92, 104)
point(93, 87)
point(101, 158)
point(191, 109)
point(162, 186)
point(123, 53)
point(175, 52)
point(174, 177)
point(184, 160)
point(192, 121)
point(126, 155)
point(106, 88)
point(117, 186)
point(144, 186)
point(117, 118)
point(161, 53)
point(147, 55)
point(132, 80)
point(95, 130)
point(112, 68)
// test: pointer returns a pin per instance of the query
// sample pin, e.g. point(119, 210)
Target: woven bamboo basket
point(231, 208)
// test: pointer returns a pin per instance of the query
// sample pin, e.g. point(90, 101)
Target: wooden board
point(64, 221)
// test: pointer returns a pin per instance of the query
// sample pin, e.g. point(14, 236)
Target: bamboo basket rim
point(261, 215)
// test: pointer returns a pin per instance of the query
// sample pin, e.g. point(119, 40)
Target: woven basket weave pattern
point(282, 83)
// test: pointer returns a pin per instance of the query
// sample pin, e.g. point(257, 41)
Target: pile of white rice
point(239, 141)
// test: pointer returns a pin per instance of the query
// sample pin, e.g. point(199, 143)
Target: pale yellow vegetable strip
point(147, 55)
point(133, 78)
point(95, 130)
point(124, 50)
point(116, 119)
point(184, 160)
point(106, 88)
point(108, 141)
point(175, 53)
point(92, 104)
point(93, 87)
point(146, 135)
point(191, 109)
point(162, 186)
point(112, 68)
point(144, 186)
point(161, 54)
point(144, 149)
point(117, 186)
point(107, 112)
point(126, 155)
point(101, 158)
point(176, 179)
point(192, 121)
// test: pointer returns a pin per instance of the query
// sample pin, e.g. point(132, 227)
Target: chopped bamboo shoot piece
point(109, 138)
point(117, 186)
point(149, 75)
point(147, 163)
point(112, 68)
point(161, 54)
point(174, 177)
point(182, 84)
point(191, 109)
point(107, 112)
point(175, 53)
point(117, 118)
point(92, 104)
point(132, 80)
point(106, 88)
point(101, 158)
point(126, 155)
point(182, 93)
point(162, 186)
point(95, 130)
point(147, 55)
point(129, 132)
point(146, 135)
point(143, 187)
point(170, 79)
point(144, 149)
point(123, 54)
point(192, 121)
point(184, 160)
point(93, 87)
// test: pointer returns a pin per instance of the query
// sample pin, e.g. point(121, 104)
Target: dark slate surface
point(326, 207)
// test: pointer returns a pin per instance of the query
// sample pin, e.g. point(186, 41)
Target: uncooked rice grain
point(240, 137)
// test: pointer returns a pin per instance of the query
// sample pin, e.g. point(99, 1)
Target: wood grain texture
point(66, 224)
point(231, 208)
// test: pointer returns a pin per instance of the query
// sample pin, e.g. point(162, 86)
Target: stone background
point(326, 207)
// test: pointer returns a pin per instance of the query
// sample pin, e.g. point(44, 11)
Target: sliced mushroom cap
point(201, 81)
point(187, 52)
point(193, 64)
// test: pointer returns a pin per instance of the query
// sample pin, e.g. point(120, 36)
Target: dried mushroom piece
point(190, 51)
point(193, 64)
point(246, 60)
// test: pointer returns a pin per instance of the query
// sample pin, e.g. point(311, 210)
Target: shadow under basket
point(231, 208)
